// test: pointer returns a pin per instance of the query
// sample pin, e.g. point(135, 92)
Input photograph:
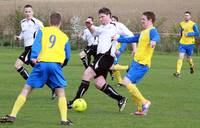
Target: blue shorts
point(186, 48)
point(47, 73)
point(136, 72)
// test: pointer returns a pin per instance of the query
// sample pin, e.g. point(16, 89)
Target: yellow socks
point(62, 104)
point(18, 104)
point(117, 76)
point(179, 65)
point(191, 63)
point(136, 95)
point(120, 67)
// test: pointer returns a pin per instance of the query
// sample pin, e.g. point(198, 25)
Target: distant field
point(175, 102)
point(126, 9)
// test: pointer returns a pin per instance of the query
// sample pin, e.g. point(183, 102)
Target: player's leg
point(117, 76)
point(120, 67)
point(83, 57)
point(142, 104)
point(101, 84)
point(92, 51)
point(57, 82)
point(88, 58)
point(116, 70)
point(189, 53)
point(179, 62)
point(34, 81)
point(23, 58)
point(21, 99)
point(22, 71)
point(53, 93)
point(190, 61)
point(134, 75)
point(179, 65)
point(101, 69)
point(87, 76)
point(62, 106)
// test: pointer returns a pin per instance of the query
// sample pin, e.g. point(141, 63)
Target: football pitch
point(175, 101)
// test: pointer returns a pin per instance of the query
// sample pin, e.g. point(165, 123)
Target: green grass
point(175, 102)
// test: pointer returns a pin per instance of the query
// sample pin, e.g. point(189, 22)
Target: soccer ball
point(79, 105)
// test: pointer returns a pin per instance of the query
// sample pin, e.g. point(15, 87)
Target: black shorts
point(101, 64)
point(91, 50)
point(25, 56)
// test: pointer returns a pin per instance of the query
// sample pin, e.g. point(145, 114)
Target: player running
point(188, 30)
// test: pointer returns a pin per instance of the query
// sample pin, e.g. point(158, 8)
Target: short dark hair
point(28, 6)
point(105, 10)
point(55, 18)
point(187, 12)
point(115, 17)
point(90, 17)
point(150, 15)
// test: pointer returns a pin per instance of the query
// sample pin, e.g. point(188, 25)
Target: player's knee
point(100, 82)
point(82, 54)
point(17, 66)
point(126, 81)
point(88, 73)
point(26, 90)
point(60, 92)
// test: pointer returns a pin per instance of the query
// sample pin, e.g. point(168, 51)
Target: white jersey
point(29, 29)
point(105, 34)
point(89, 38)
point(123, 29)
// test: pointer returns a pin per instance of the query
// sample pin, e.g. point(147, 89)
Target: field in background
point(175, 102)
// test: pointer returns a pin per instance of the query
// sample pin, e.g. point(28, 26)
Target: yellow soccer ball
point(79, 105)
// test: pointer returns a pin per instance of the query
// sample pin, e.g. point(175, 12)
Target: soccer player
point(147, 40)
point(92, 42)
point(119, 50)
point(103, 61)
point(188, 30)
point(50, 52)
point(29, 26)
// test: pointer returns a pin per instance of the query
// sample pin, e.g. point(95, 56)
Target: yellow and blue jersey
point(144, 51)
point(51, 45)
point(188, 32)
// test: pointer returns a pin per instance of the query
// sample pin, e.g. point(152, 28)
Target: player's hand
point(115, 37)
point(152, 44)
point(35, 61)
point(79, 34)
point(17, 37)
point(185, 34)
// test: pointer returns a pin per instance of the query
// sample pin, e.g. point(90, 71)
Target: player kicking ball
point(147, 40)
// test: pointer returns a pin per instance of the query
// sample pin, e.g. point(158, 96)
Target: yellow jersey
point(53, 43)
point(186, 28)
point(144, 51)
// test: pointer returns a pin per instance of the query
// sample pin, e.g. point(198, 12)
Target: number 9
point(52, 40)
